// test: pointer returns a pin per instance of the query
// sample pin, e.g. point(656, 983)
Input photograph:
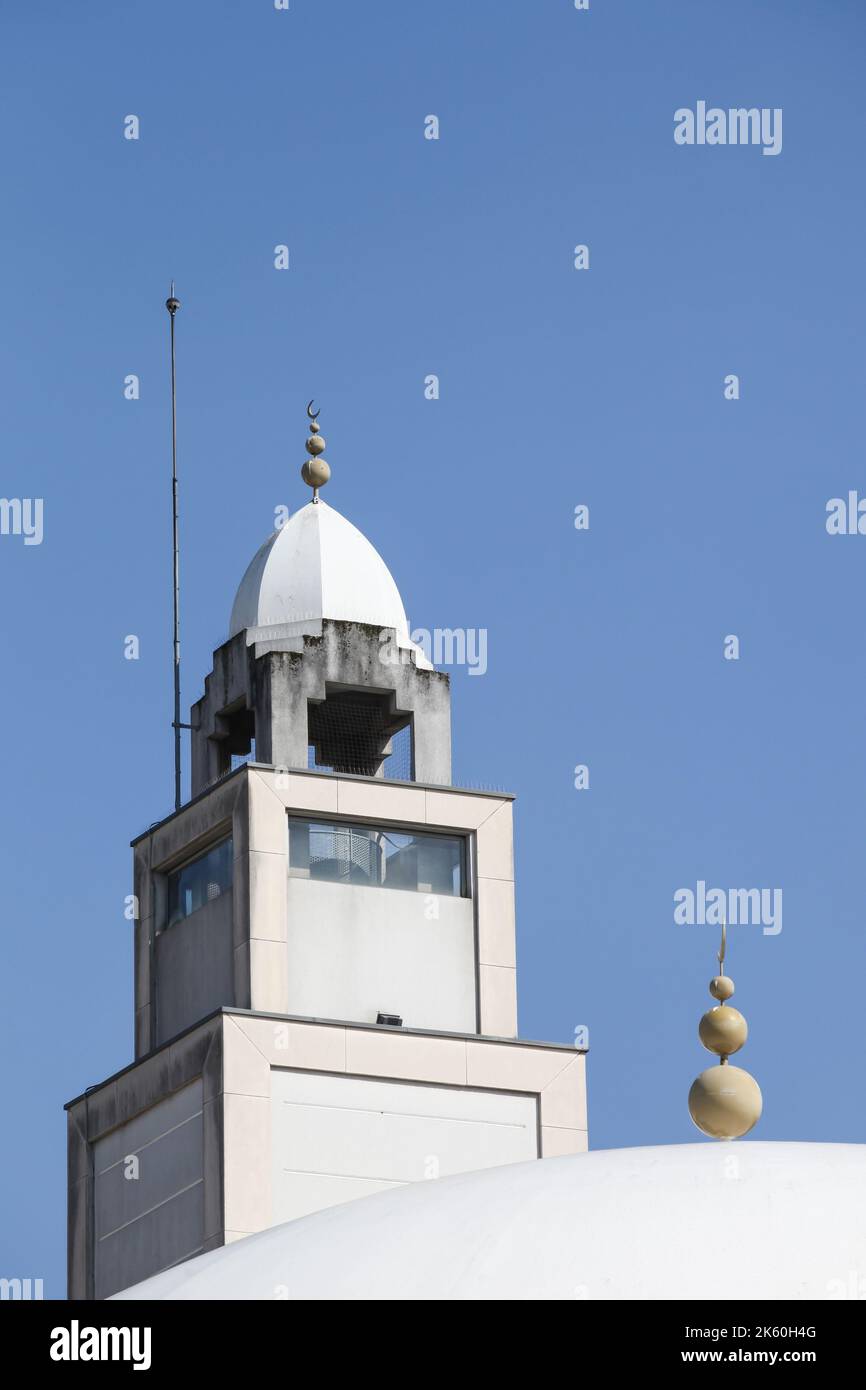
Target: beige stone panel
point(557, 1142)
point(247, 1160)
point(308, 1046)
point(563, 1100)
point(496, 926)
point(303, 794)
point(460, 811)
point(381, 801)
point(498, 1000)
point(503, 1066)
point(269, 976)
point(268, 898)
point(405, 1056)
point(495, 844)
point(245, 1070)
point(268, 830)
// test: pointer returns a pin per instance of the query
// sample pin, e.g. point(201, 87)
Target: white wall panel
point(353, 951)
point(336, 1138)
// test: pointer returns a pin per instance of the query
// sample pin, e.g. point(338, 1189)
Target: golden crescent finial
point(315, 471)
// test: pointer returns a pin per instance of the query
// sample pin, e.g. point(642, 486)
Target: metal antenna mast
point(172, 305)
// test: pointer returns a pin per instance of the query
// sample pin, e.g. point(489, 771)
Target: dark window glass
point(377, 856)
point(199, 882)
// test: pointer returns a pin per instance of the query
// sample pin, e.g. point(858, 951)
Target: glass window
point(377, 856)
point(199, 882)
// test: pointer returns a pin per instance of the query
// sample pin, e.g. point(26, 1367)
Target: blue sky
point(557, 387)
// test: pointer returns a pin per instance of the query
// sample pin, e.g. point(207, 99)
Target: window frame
point(369, 823)
point(186, 863)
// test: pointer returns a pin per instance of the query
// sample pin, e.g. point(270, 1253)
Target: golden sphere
point(315, 472)
point(723, 1030)
point(725, 1102)
point(721, 987)
point(316, 444)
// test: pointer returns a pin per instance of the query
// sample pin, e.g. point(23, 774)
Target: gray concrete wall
point(276, 680)
point(199, 824)
point(149, 1192)
point(194, 968)
point(167, 1111)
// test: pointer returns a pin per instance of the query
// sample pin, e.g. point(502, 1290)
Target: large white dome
point(712, 1221)
point(319, 566)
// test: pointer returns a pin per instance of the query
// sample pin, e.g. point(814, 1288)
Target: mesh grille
point(346, 850)
point(351, 732)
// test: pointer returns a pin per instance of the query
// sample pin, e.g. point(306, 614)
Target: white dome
point(319, 566)
point(711, 1221)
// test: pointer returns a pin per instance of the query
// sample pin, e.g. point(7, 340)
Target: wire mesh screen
point(354, 733)
point(398, 764)
point(345, 853)
point(238, 759)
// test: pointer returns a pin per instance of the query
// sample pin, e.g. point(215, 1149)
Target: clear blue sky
point(558, 387)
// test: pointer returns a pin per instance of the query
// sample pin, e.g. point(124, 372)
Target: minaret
point(310, 665)
point(325, 972)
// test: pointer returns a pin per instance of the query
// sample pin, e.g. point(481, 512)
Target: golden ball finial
point(724, 1102)
point(723, 1030)
point(315, 471)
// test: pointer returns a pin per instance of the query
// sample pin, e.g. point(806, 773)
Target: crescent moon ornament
point(310, 414)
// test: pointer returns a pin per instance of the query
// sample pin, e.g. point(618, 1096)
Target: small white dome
point(754, 1220)
point(319, 566)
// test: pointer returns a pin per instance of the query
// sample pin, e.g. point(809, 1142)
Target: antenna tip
point(172, 304)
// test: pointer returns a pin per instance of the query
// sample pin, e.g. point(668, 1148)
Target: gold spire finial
point(724, 1102)
point(315, 471)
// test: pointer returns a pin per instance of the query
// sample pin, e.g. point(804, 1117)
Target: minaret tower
point(325, 973)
